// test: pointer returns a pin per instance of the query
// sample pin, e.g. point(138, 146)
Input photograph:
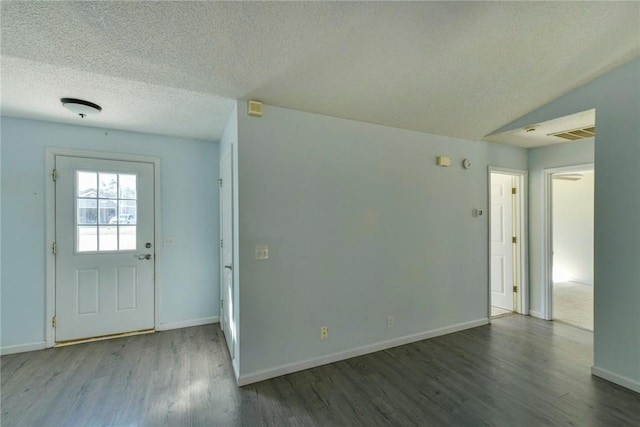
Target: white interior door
point(226, 214)
point(502, 247)
point(104, 247)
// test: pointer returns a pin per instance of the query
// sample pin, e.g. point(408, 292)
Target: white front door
point(226, 220)
point(502, 247)
point(104, 247)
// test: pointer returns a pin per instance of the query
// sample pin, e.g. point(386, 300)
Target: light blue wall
point(507, 156)
point(189, 277)
point(361, 225)
point(565, 154)
point(616, 98)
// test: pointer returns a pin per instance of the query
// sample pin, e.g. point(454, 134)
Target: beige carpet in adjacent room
point(499, 312)
point(573, 304)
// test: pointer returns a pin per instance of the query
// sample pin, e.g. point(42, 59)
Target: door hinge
point(220, 182)
point(221, 243)
point(515, 289)
point(221, 303)
point(514, 190)
point(54, 321)
point(54, 175)
point(514, 239)
point(54, 248)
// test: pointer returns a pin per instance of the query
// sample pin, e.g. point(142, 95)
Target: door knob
point(230, 267)
point(143, 256)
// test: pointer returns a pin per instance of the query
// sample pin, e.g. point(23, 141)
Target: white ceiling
point(541, 134)
point(173, 68)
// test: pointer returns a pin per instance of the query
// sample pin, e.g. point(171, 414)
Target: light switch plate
point(262, 252)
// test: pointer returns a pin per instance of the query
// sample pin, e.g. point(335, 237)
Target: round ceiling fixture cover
point(80, 107)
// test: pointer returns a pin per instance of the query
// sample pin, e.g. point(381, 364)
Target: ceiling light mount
point(80, 107)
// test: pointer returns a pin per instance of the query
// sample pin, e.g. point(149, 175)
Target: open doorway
point(572, 195)
point(227, 288)
point(552, 144)
point(507, 233)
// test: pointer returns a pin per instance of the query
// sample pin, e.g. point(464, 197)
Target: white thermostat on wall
point(466, 163)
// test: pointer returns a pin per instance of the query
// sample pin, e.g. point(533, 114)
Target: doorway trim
point(50, 228)
point(231, 336)
point(547, 237)
point(522, 217)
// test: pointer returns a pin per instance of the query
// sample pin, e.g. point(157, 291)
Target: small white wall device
point(443, 161)
point(254, 108)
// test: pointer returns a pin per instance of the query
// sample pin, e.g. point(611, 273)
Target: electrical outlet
point(324, 333)
point(262, 252)
point(390, 322)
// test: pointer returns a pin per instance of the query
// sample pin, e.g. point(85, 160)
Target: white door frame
point(522, 218)
point(50, 228)
point(547, 236)
point(221, 260)
point(233, 321)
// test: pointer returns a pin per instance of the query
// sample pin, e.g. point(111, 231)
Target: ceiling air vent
point(575, 134)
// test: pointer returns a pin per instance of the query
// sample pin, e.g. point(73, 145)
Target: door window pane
point(127, 237)
point(108, 185)
point(108, 240)
point(106, 211)
point(127, 212)
point(87, 239)
point(128, 187)
point(87, 211)
point(87, 184)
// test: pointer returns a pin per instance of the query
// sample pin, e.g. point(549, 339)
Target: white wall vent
point(255, 108)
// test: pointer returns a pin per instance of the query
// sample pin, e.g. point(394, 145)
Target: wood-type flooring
point(518, 371)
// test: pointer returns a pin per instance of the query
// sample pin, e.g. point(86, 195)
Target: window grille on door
point(106, 211)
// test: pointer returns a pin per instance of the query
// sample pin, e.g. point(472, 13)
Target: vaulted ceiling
point(461, 69)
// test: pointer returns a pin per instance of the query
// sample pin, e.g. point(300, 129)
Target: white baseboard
point(188, 323)
point(236, 368)
point(615, 378)
point(21, 348)
point(537, 314)
point(277, 371)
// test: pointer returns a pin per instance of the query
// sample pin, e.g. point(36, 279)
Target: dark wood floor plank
point(448, 401)
point(518, 371)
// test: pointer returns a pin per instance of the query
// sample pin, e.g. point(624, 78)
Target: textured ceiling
point(450, 68)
